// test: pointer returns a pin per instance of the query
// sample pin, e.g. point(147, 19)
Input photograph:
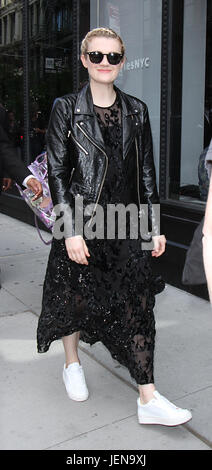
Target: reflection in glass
point(188, 177)
point(140, 28)
point(51, 65)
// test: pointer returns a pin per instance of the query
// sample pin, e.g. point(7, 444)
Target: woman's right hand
point(77, 249)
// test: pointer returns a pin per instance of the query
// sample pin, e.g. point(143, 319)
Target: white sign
point(138, 63)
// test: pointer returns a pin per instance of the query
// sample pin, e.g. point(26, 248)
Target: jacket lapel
point(129, 121)
point(86, 117)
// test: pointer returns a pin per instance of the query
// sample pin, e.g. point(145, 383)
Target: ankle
point(146, 393)
point(68, 363)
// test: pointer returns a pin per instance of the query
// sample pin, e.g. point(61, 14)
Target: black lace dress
point(111, 300)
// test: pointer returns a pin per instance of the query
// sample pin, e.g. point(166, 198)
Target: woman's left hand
point(36, 187)
point(159, 245)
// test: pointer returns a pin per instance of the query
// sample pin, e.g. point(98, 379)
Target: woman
point(100, 148)
point(207, 226)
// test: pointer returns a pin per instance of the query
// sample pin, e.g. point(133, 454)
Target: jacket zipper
point(79, 145)
point(106, 166)
point(72, 172)
point(138, 190)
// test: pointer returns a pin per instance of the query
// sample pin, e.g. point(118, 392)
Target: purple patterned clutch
point(42, 207)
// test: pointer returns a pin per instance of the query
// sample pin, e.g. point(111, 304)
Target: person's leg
point(73, 374)
point(153, 408)
point(70, 344)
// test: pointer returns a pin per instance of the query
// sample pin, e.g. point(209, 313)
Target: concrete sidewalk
point(35, 410)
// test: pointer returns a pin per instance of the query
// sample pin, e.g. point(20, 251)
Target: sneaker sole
point(163, 422)
point(75, 398)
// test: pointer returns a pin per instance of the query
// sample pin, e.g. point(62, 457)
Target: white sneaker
point(74, 380)
point(159, 410)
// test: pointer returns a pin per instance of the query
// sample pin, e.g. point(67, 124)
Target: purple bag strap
point(38, 230)
point(36, 164)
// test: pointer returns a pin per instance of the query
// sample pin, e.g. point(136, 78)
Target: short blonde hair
point(100, 32)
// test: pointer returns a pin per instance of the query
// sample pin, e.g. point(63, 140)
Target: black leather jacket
point(77, 161)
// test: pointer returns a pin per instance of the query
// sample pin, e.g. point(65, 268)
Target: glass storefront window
point(188, 177)
point(11, 73)
point(139, 24)
point(55, 30)
point(53, 45)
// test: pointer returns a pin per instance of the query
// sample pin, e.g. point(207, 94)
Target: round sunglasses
point(96, 57)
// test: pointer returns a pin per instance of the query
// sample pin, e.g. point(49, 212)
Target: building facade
point(169, 66)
